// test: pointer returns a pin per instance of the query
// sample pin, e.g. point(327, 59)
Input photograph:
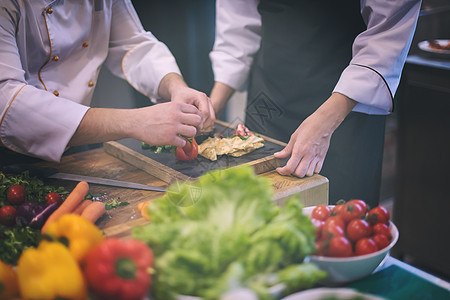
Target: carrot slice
point(142, 208)
point(68, 206)
point(94, 211)
point(79, 209)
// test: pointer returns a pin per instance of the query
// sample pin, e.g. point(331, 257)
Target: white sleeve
point(32, 121)
point(238, 37)
point(379, 54)
point(136, 55)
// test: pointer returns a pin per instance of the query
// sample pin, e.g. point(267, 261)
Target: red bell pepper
point(119, 269)
point(188, 152)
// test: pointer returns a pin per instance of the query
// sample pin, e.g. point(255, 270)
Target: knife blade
point(55, 174)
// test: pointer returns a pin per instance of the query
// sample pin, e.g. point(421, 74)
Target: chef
point(321, 76)
point(51, 53)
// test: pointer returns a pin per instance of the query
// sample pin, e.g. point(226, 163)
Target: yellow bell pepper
point(9, 287)
point(80, 234)
point(50, 272)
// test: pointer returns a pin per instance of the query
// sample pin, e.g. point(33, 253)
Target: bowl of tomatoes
point(352, 241)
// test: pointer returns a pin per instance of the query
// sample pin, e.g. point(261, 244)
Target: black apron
point(305, 47)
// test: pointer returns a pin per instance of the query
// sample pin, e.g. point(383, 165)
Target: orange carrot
point(94, 211)
point(79, 209)
point(142, 208)
point(68, 206)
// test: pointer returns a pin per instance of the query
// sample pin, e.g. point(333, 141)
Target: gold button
point(49, 11)
point(85, 44)
point(91, 83)
point(56, 58)
point(56, 93)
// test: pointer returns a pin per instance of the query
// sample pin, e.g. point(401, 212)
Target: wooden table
point(119, 221)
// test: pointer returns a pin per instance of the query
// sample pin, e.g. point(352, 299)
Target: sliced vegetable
point(68, 206)
point(94, 211)
point(119, 269)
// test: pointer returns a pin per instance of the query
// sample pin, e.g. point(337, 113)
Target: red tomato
point(361, 203)
point(358, 229)
point(331, 230)
point(16, 194)
point(365, 246)
point(188, 152)
point(381, 228)
point(338, 210)
point(339, 246)
point(52, 198)
point(352, 211)
point(337, 220)
point(378, 214)
point(321, 212)
point(319, 227)
point(7, 215)
point(319, 248)
point(381, 240)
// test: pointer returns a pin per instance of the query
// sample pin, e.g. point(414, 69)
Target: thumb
point(285, 152)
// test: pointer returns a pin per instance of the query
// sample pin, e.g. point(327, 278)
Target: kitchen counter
point(119, 221)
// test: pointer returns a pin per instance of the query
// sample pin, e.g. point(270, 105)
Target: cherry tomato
point(381, 228)
point(365, 246)
point(321, 212)
point(16, 194)
point(337, 220)
point(188, 152)
point(331, 230)
point(52, 198)
point(352, 211)
point(378, 214)
point(319, 227)
point(361, 203)
point(7, 215)
point(339, 246)
point(381, 240)
point(338, 210)
point(358, 229)
point(319, 248)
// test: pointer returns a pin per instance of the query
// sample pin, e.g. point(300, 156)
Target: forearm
point(169, 85)
point(103, 124)
point(334, 110)
point(220, 94)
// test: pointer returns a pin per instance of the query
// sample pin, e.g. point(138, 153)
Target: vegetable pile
point(350, 229)
point(223, 233)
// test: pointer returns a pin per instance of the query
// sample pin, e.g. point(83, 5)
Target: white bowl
point(343, 270)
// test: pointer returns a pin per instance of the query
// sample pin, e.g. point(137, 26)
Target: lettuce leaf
point(223, 232)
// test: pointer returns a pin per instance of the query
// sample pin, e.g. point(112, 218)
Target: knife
point(46, 172)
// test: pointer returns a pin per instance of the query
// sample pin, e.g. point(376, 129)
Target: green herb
point(36, 190)
point(158, 149)
point(13, 240)
point(224, 231)
point(114, 203)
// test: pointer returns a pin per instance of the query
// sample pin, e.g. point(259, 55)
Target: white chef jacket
point(379, 52)
point(51, 52)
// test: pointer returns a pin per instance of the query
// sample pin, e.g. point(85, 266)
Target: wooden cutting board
point(167, 168)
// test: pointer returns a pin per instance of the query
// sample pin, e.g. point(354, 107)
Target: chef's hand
point(173, 88)
point(309, 144)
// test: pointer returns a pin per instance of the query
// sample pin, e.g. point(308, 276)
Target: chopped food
point(233, 146)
